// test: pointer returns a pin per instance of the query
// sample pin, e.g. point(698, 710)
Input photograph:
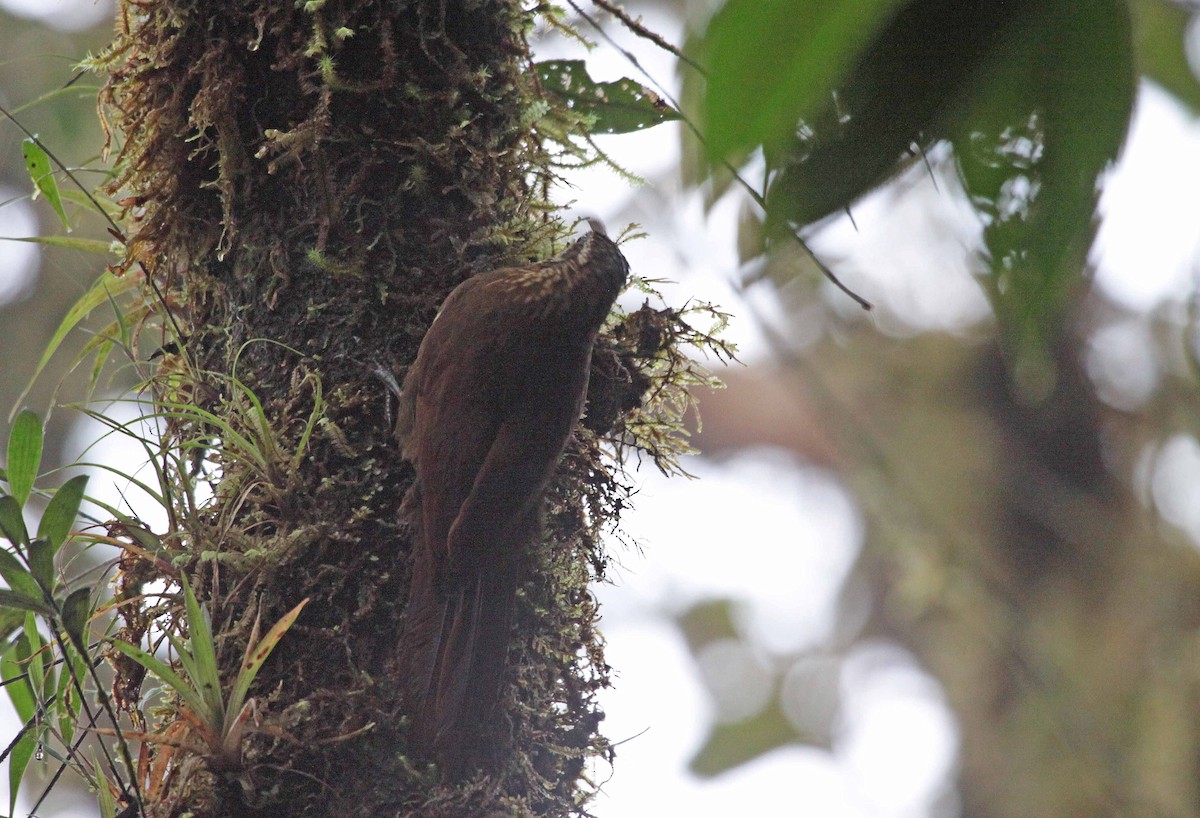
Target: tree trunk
point(306, 182)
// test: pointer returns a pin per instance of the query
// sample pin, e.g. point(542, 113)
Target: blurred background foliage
point(1018, 441)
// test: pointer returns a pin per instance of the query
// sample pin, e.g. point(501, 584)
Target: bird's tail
point(457, 645)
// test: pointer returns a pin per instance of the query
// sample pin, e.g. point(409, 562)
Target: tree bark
point(305, 183)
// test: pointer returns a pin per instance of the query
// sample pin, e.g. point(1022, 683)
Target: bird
point(498, 384)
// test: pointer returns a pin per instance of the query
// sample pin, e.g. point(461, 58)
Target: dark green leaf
point(909, 85)
point(17, 576)
point(76, 610)
point(41, 563)
point(621, 106)
point(60, 513)
point(772, 63)
point(24, 602)
point(24, 454)
point(12, 522)
point(1047, 121)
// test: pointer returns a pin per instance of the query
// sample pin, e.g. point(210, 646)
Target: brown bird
point(487, 407)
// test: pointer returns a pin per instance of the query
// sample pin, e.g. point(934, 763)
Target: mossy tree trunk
point(306, 182)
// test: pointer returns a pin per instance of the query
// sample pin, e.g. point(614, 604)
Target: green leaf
point(37, 162)
point(62, 510)
point(24, 454)
point(731, 745)
point(205, 674)
point(97, 246)
point(1160, 34)
point(104, 796)
point(12, 522)
point(16, 680)
point(253, 661)
point(76, 610)
point(18, 761)
point(17, 576)
point(168, 677)
point(41, 564)
point(107, 286)
point(24, 602)
point(621, 106)
point(35, 658)
point(1047, 121)
point(66, 702)
point(909, 86)
point(772, 63)
point(10, 620)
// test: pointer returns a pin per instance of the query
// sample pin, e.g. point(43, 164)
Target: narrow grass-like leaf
point(37, 162)
point(98, 246)
point(255, 656)
point(24, 454)
point(35, 660)
point(167, 676)
point(104, 793)
point(62, 510)
point(107, 285)
point(66, 702)
point(204, 653)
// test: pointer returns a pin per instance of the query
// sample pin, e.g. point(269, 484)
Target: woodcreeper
point(486, 409)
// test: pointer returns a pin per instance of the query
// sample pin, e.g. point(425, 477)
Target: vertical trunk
point(310, 180)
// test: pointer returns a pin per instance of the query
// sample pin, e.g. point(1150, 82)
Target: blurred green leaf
point(104, 795)
point(10, 620)
point(914, 79)
point(1160, 33)
point(1047, 121)
point(1036, 98)
point(730, 745)
point(621, 106)
point(37, 162)
point(98, 246)
point(107, 286)
point(24, 602)
point(24, 454)
point(62, 510)
point(772, 63)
